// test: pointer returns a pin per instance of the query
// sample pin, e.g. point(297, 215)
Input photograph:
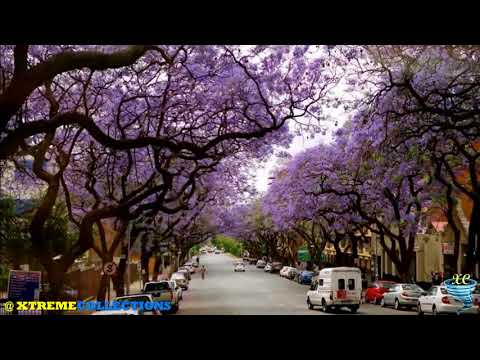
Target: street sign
point(110, 268)
point(24, 285)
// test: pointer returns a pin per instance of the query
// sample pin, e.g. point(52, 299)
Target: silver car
point(402, 295)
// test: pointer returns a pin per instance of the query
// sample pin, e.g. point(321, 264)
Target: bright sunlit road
point(253, 292)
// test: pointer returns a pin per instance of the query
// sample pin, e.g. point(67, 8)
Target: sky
point(299, 144)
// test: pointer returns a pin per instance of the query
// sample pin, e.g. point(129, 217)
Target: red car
point(375, 291)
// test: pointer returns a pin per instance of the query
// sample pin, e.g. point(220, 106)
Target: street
point(253, 292)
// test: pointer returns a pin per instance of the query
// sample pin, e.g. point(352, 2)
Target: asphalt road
point(253, 292)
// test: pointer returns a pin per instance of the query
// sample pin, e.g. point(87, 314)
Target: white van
point(335, 288)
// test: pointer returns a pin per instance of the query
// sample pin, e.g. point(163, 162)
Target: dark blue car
point(305, 277)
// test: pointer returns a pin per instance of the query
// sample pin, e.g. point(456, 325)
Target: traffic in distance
point(336, 290)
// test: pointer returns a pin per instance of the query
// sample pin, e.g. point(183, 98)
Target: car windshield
point(133, 298)
point(178, 276)
point(157, 286)
point(411, 287)
point(387, 285)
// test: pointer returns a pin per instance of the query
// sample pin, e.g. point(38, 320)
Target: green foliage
point(15, 244)
point(195, 250)
point(228, 244)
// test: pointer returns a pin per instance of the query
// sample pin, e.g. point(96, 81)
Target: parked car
point(276, 267)
point(180, 279)
point(438, 301)
point(239, 267)
point(217, 252)
point(335, 288)
point(177, 289)
point(268, 267)
point(261, 264)
point(292, 273)
point(190, 267)
point(138, 311)
point(305, 277)
point(184, 270)
point(284, 270)
point(402, 295)
point(375, 290)
point(164, 291)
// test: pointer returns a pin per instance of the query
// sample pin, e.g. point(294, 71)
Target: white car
point(178, 290)
point(261, 264)
point(285, 270)
point(438, 301)
point(268, 267)
point(239, 267)
point(180, 279)
point(190, 267)
point(185, 272)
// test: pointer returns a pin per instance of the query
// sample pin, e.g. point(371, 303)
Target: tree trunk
point(354, 245)
point(405, 273)
point(453, 225)
point(119, 278)
point(144, 260)
point(473, 236)
point(156, 267)
point(102, 290)
point(56, 281)
point(339, 258)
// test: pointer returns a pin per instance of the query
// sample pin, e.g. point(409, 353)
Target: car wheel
point(354, 309)
point(310, 305)
point(419, 309)
point(382, 302)
point(377, 301)
point(397, 305)
point(324, 306)
point(434, 310)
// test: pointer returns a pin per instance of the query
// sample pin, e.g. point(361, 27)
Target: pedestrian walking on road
point(203, 270)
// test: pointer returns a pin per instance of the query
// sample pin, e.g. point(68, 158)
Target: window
point(341, 284)
point(412, 287)
point(351, 284)
point(320, 283)
point(157, 286)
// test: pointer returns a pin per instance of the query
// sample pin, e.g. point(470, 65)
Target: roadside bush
point(228, 244)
